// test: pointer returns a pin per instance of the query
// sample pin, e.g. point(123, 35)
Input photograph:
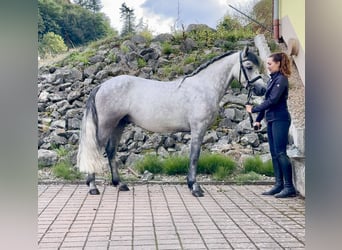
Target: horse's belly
point(161, 125)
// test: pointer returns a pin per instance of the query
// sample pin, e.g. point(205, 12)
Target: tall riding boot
point(285, 164)
point(279, 183)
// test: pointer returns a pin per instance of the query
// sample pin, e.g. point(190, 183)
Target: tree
point(50, 13)
point(52, 44)
point(41, 26)
point(262, 12)
point(128, 18)
point(75, 24)
point(93, 5)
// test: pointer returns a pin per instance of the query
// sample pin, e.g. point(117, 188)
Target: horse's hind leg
point(91, 183)
point(110, 151)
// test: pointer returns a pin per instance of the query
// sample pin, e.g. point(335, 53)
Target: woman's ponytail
point(285, 63)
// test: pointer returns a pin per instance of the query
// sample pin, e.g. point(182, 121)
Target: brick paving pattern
point(168, 217)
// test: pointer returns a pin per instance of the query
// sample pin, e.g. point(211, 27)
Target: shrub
point(256, 165)
point(190, 59)
point(218, 165)
point(77, 57)
point(141, 62)
point(235, 84)
point(221, 173)
point(65, 170)
point(151, 163)
point(61, 151)
point(147, 35)
point(167, 48)
point(204, 37)
point(210, 164)
point(52, 44)
point(176, 165)
point(273, 46)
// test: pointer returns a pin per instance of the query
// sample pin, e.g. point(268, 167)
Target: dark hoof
point(115, 183)
point(94, 191)
point(123, 187)
point(197, 191)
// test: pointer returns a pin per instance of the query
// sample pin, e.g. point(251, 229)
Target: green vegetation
point(77, 57)
point(127, 17)
point(167, 48)
point(176, 165)
point(151, 163)
point(218, 165)
point(141, 63)
point(273, 45)
point(221, 167)
point(61, 151)
point(66, 171)
point(256, 165)
point(235, 84)
point(76, 25)
point(51, 44)
point(247, 177)
point(209, 163)
point(190, 59)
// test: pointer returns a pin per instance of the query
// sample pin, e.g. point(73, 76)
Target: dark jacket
point(274, 107)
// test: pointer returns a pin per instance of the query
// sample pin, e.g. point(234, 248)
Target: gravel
point(296, 101)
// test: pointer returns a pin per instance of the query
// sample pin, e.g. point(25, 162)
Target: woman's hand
point(249, 108)
point(257, 125)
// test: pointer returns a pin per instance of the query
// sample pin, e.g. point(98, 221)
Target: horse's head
point(248, 72)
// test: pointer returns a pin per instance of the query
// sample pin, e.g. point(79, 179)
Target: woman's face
point(272, 66)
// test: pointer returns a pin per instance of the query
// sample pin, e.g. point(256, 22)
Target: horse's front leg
point(195, 148)
point(91, 183)
point(116, 178)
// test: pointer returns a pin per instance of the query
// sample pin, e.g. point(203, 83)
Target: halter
point(249, 85)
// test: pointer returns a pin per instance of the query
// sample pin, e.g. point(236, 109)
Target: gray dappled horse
point(189, 104)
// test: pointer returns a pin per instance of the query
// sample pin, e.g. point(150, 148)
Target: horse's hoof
point(94, 191)
point(197, 191)
point(123, 187)
point(115, 183)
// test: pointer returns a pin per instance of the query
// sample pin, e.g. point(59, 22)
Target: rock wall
point(63, 91)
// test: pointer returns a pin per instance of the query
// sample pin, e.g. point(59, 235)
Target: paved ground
point(168, 217)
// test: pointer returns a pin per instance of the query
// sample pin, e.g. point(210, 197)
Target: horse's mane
point(206, 64)
point(252, 57)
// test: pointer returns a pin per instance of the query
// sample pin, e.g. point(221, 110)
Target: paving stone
point(168, 217)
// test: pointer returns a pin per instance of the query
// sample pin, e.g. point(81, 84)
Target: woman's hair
point(285, 63)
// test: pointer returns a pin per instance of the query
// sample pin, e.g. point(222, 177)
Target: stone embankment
point(63, 91)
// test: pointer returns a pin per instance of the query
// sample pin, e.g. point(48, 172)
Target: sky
point(162, 16)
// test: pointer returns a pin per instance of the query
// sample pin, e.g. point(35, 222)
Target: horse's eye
point(249, 67)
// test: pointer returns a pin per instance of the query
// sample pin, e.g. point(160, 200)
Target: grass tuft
point(66, 171)
point(256, 165)
point(176, 165)
point(151, 163)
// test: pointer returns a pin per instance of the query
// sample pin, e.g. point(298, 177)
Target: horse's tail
point(89, 156)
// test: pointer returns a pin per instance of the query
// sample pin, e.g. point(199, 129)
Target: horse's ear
point(245, 51)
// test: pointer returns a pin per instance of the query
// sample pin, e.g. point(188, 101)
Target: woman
point(274, 109)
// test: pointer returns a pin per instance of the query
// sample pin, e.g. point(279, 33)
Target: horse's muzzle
point(259, 89)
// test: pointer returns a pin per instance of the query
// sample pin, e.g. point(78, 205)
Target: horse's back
point(154, 105)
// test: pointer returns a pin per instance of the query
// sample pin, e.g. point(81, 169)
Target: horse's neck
point(219, 75)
